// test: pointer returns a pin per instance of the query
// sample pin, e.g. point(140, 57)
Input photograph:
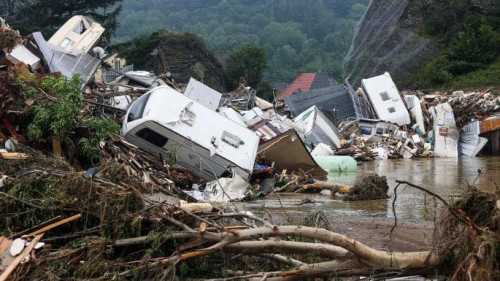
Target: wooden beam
point(20, 258)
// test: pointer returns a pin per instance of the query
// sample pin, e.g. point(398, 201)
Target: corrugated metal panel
point(58, 61)
point(359, 103)
point(112, 75)
point(331, 98)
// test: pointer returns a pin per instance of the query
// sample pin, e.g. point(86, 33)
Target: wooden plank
point(4, 244)
point(490, 125)
point(14, 155)
point(20, 258)
point(5, 257)
point(48, 227)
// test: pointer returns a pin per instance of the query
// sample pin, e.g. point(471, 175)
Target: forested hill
point(298, 35)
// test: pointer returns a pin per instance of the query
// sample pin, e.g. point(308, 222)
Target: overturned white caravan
point(385, 99)
point(78, 35)
point(165, 122)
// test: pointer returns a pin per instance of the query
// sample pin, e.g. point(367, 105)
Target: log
point(203, 208)
point(56, 146)
point(318, 186)
point(14, 155)
point(371, 257)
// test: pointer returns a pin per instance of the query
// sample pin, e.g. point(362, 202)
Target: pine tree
point(9, 7)
point(48, 15)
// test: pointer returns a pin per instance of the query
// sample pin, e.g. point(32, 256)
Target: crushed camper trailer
point(165, 122)
point(187, 150)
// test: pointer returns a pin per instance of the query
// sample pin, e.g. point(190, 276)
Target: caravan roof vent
point(384, 95)
point(231, 139)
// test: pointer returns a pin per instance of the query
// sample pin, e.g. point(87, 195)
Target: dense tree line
point(297, 35)
point(470, 41)
point(48, 15)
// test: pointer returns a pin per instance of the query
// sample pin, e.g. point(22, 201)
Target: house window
point(152, 137)
point(392, 109)
point(117, 64)
point(385, 96)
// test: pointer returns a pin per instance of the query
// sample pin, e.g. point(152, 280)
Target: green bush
point(88, 148)
point(57, 105)
point(470, 44)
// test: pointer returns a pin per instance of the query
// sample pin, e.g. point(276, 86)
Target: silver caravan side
point(166, 122)
point(316, 127)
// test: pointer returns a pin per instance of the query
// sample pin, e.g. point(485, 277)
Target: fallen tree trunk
point(347, 256)
point(370, 256)
point(320, 185)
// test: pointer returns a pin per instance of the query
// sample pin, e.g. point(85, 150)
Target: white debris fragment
point(17, 247)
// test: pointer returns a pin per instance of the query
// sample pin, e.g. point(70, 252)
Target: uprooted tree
point(124, 234)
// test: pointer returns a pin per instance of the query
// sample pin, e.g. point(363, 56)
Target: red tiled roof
point(302, 82)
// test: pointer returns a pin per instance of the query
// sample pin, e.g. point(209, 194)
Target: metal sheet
point(287, 151)
point(203, 94)
point(58, 61)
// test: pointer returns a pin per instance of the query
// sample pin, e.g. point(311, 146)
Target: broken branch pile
point(126, 231)
point(471, 250)
point(123, 214)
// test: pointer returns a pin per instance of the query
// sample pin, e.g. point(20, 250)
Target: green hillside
point(297, 35)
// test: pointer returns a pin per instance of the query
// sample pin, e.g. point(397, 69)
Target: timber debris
point(80, 201)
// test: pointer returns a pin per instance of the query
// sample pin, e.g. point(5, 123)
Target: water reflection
point(444, 176)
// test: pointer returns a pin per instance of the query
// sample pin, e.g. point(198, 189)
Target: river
point(444, 176)
point(372, 221)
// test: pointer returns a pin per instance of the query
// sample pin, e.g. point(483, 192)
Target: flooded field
point(444, 176)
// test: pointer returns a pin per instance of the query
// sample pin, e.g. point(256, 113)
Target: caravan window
point(118, 64)
point(385, 96)
point(137, 108)
point(392, 109)
point(365, 130)
point(152, 137)
point(65, 42)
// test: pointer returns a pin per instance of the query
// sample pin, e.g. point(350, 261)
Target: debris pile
point(9, 38)
point(481, 233)
point(416, 124)
point(95, 197)
point(369, 187)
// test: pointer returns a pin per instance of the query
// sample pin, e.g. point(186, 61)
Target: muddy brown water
point(444, 176)
point(371, 221)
